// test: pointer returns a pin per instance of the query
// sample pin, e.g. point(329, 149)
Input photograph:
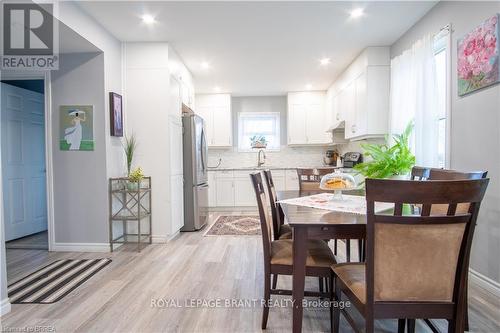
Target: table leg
point(299, 274)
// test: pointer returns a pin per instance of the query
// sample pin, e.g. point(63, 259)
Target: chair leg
point(320, 281)
point(332, 299)
point(267, 298)
point(370, 324)
point(348, 250)
point(335, 246)
point(411, 325)
point(336, 310)
point(401, 325)
point(275, 281)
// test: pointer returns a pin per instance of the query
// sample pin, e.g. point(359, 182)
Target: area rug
point(235, 225)
point(54, 281)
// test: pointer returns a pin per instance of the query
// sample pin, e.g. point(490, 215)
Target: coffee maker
point(331, 157)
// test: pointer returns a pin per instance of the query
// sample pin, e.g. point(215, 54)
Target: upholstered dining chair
point(416, 265)
point(420, 173)
point(278, 256)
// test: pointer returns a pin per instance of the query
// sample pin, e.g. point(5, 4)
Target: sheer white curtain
point(414, 97)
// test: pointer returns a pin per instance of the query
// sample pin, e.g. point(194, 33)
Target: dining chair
point(420, 173)
point(280, 230)
point(416, 265)
point(308, 179)
point(278, 254)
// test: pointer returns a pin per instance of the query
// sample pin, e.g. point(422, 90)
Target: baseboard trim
point(80, 247)
point(4, 306)
point(490, 286)
point(159, 239)
point(174, 235)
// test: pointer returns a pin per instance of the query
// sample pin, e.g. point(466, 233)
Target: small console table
point(130, 202)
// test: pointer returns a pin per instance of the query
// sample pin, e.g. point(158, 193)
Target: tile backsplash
point(292, 157)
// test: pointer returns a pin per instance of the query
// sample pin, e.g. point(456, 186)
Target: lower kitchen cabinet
point(234, 188)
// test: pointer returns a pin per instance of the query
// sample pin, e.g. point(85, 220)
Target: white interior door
point(23, 162)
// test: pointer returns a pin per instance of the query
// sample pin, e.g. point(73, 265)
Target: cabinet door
point(361, 115)
point(244, 194)
point(206, 113)
point(175, 129)
point(222, 126)
point(297, 124)
point(316, 124)
point(224, 192)
point(292, 180)
point(212, 190)
point(349, 108)
point(279, 183)
point(177, 202)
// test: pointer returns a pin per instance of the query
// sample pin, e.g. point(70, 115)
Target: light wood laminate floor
point(190, 267)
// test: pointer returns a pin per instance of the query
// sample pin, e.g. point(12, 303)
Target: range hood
point(339, 124)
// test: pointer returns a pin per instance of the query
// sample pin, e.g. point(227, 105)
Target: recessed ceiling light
point(148, 19)
point(205, 65)
point(324, 61)
point(358, 12)
point(217, 89)
point(309, 86)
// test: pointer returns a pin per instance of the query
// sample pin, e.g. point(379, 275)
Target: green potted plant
point(258, 141)
point(129, 149)
point(394, 162)
point(135, 178)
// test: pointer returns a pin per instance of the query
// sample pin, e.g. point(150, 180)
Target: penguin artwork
point(73, 135)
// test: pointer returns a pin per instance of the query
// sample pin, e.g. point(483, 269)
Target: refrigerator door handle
point(203, 142)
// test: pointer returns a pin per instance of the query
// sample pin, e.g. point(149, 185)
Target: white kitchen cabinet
point(291, 180)
point(215, 109)
point(177, 202)
point(224, 183)
point(212, 189)
point(244, 194)
point(307, 118)
point(362, 95)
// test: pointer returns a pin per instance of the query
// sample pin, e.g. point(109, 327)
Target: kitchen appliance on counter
point(351, 159)
point(331, 157)
point(195, 154)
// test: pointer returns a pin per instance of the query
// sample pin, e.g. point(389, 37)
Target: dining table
point(314, 223)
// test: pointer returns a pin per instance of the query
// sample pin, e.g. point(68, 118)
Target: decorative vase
point(132, 186)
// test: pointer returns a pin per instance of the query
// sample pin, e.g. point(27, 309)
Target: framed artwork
point(76, 127)
point(116, 119)
point(478, 57)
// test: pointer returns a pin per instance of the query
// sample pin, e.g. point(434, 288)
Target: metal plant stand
point(129, 202)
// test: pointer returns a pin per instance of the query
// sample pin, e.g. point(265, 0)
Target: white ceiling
point(261, 48)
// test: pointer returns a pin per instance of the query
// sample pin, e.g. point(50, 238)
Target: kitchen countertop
point(270, 167)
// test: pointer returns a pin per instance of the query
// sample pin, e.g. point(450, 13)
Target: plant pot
point(132, 186)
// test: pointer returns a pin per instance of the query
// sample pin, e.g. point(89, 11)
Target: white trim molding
point(80, 247)
point(490, 286)
point(4, 306)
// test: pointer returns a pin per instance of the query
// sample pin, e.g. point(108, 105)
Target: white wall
point(475, 123)
point(146, 82)
point(80, 178)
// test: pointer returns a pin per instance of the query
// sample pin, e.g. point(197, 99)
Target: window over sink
point(258, 130)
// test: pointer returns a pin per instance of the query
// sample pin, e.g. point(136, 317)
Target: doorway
point(24, 181)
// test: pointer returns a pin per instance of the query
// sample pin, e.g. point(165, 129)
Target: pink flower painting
point(478, 58)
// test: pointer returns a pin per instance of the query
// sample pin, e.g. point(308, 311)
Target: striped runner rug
point(54, 281)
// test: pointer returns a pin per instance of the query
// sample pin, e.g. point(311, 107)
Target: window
point(257, 125)
point(440, 60)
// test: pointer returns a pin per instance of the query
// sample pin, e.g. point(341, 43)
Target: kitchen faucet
point(259, 161)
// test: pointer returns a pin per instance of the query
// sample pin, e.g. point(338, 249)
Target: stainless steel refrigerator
point(195, 172)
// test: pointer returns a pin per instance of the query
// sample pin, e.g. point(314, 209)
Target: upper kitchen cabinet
point(307, 118)
point(215, 109)
point(361, 95)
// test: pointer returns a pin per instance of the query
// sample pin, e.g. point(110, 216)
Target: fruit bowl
point(337, 182)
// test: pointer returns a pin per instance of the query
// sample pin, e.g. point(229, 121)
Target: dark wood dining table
point(312, 223)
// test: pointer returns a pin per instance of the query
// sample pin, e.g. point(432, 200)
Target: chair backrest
point(272, 202)
point(265, 220)
point(420, 173)
point(309, 180)
point(419, 258)
point(447, 174)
